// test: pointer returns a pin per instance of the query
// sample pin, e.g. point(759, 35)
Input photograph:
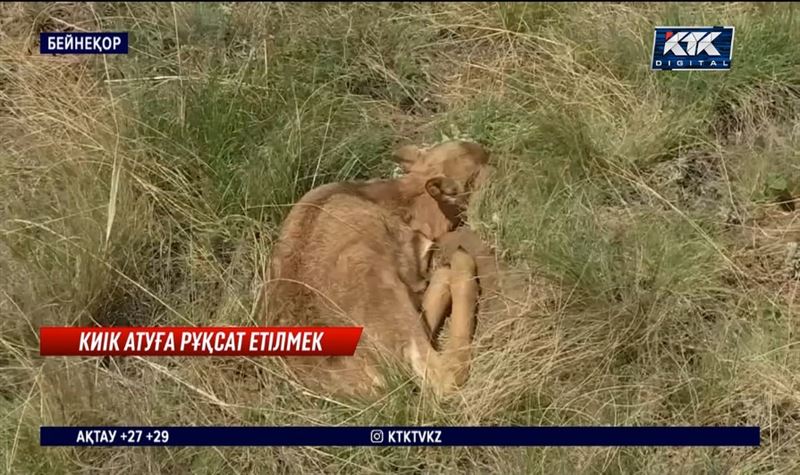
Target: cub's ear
point(406, 156)
point(477, 152)
point(442, 189)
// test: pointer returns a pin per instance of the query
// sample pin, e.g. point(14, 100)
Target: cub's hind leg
point(457, 351)
point(456, 288)
point(436, 300)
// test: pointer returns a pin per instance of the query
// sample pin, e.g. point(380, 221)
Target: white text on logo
point(696, 42)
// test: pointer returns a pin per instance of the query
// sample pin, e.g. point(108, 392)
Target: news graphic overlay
point(198, 341)
point(83, 43)
point(401, 436)
point(317, 341)
point(692, 48)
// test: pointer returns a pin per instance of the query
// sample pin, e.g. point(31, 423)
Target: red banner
point(198, 341)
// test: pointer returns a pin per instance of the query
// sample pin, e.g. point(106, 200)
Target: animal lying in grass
point(359, 254)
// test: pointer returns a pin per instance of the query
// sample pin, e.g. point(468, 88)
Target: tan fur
point(358, 254)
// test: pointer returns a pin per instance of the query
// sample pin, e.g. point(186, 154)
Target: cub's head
point(450, 171)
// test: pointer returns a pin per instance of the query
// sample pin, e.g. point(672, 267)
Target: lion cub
point(358, 253)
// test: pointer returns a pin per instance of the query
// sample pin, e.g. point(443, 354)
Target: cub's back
point(334, 245)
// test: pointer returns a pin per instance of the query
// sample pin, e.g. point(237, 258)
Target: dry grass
point(651, 277)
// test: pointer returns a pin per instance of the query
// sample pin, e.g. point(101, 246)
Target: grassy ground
point(653, 273)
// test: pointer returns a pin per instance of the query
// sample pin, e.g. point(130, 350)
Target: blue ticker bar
point(400, 436)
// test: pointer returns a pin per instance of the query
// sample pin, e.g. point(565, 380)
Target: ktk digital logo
point(693, 48)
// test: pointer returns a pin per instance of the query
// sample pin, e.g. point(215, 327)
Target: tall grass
point(648, 280)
